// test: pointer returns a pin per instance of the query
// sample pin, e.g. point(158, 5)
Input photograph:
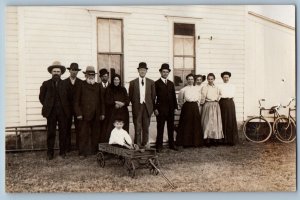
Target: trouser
point(69, 132)
point(141, 121)
point(89, 136)
point(56, 116)
point(161, 119)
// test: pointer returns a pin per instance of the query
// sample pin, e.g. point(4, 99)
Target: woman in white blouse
point(211, 115)
point(228, 110)
point(189, 129)
point(199, 79)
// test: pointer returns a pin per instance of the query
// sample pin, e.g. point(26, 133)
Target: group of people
point(208, 114)
point(100, 110)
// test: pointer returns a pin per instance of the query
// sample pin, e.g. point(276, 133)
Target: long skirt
point(211, 120)
point(189, 129)
point(229, 123)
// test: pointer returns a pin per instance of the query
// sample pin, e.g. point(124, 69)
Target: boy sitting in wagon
point(119, 137)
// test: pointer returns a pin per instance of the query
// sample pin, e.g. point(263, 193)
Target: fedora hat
point(74, 66)
point(56, 64)
point(103, 72)
point(165, 66)
point(142, 65)
point(90, 70)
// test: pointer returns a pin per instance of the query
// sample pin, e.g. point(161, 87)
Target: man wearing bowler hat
point(142, 96)
point(73, 83)
point(165, 106)
point(55, 98)
point(104, 76)
point(89, 108)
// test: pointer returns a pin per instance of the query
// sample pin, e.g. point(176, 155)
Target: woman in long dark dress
point(227, 107)
point(189, 128)
point(117, 100)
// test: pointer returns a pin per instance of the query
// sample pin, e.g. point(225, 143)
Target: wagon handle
point(160, 172)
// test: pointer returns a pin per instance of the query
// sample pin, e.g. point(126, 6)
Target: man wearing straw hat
point(55, 98)
point(89, 108)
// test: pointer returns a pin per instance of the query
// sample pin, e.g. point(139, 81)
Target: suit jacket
point(73, 89)
point(165, 97)
point(89, 101)
point(134, 95)
point(47, 97)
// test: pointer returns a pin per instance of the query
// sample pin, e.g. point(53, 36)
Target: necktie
point(166, 82)
point(142, 82)
point(104, 85)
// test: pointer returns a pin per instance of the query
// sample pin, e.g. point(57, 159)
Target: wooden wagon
point(130, 158)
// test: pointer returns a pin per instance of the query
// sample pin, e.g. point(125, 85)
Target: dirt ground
point(246, 167)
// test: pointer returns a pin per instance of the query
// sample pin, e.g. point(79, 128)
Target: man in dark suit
point(89, 107)
point(164, 108)
point(55, 98)
point(104, 76)
point(73, 83)
point(142, 96)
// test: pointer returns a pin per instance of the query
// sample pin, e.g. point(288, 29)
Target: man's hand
point(119, 104)
point(156, 113)
point(102, 117)
point(79, 117)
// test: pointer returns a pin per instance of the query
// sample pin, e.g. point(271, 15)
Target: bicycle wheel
point(257, 129)
point(285, 129)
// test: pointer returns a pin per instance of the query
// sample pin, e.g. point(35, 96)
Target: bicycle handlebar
point(291, 100)
point(259, 101)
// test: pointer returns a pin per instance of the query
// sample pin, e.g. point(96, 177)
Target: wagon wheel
point(130, 167)
point(100, 159)
point(154, 170)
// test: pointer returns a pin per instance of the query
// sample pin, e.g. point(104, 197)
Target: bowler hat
point(103, 72)
point(74, 66)
point(225, 73)
point(165, 66)
point(90, 70)
point(142, 65)
point(56, 64)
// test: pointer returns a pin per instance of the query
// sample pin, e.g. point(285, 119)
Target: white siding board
point(11, 62)
point(65, 34)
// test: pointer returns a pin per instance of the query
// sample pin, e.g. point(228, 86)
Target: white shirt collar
point(164, 79)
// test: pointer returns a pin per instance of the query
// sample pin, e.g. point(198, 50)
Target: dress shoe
point(159, 149)
point(174, 148)
point(62, 156)
point(50, 155)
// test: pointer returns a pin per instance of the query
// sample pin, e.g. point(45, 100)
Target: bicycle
point(258, 129)
point(285, 127)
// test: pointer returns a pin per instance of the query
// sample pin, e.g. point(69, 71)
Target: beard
point(55, 77)
point(90, 81)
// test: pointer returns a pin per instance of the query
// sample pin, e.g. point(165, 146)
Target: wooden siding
point(66, 34)
point(270, 51)
point(11, 63)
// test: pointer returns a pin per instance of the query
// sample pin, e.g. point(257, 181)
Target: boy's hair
point(118, 120)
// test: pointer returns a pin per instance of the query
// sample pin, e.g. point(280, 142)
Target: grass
point(246, 167)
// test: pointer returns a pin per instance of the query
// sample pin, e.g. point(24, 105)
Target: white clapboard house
point(257, 49)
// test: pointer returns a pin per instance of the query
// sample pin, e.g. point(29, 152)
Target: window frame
point(177, 88)
point(121, 54)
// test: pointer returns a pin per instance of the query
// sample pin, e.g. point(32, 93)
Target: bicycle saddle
point(273, 109)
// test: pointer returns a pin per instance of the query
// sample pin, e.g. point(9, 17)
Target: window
point(110, 45)
point(184, 52)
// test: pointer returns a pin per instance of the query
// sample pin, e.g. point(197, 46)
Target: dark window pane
point(111, 62)
point(179, 77)
point(184, 29)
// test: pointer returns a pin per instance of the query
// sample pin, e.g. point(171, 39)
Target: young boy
point(119, 136)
